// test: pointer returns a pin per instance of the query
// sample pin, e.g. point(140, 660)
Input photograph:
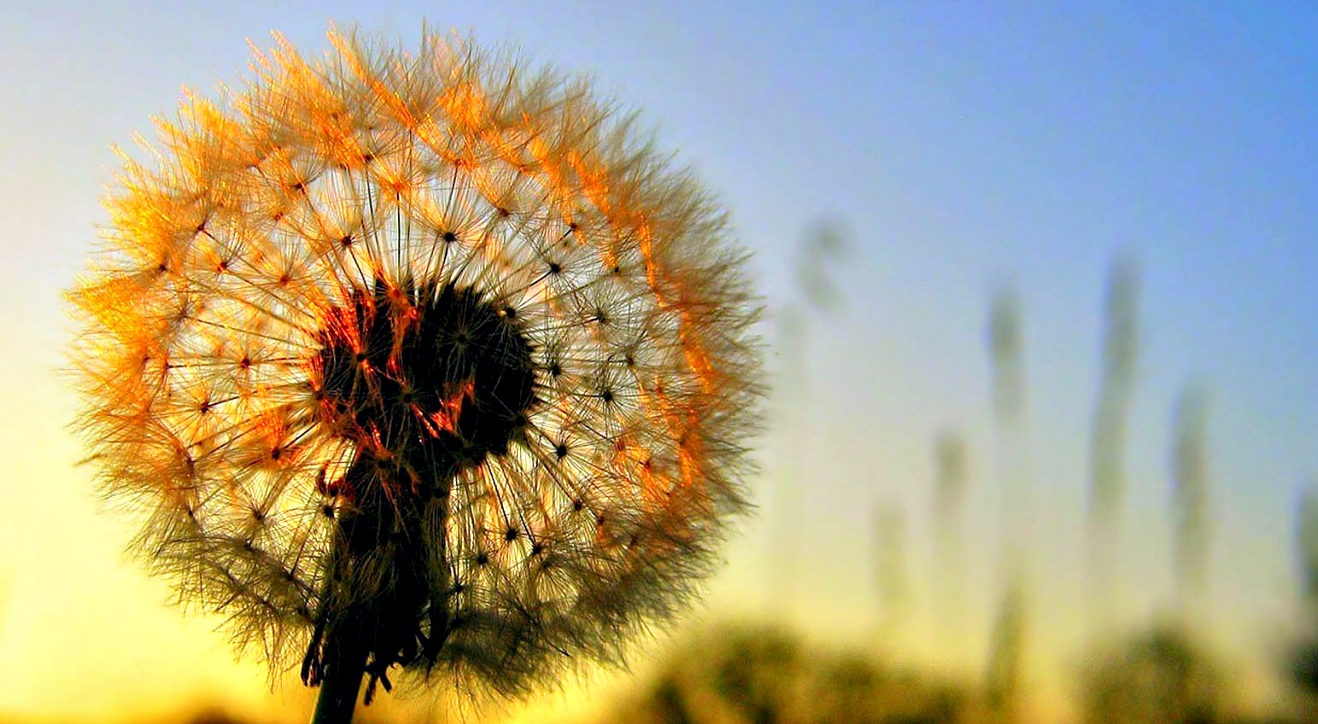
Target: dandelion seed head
point(430, 346)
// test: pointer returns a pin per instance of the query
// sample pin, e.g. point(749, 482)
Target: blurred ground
point(759, 674)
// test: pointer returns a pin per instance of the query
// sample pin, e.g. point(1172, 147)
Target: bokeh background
point(952, 206)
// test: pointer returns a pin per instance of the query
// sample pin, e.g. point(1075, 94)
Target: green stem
point(344, 665)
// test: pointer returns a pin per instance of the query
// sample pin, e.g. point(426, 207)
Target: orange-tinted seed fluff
point(424, 349)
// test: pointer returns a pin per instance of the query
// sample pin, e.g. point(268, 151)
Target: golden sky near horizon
point(77, 616)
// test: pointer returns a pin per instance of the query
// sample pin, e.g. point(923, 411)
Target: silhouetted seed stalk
point(1007, 357)
point(823, 245)
point(1002, 680)
point(890, 569)
point(951, 463)
point(1108, 438)
point(419, 364)
point(1304, 658)
point(1306, 543)
point(1005, 342)
point(1006, 353)
point(1190, 503)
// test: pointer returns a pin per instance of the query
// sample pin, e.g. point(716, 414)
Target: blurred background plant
point(1161, 676)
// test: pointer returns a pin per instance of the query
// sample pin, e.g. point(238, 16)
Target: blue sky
point(960, 144)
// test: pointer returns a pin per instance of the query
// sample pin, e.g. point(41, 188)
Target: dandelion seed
point(420, 363)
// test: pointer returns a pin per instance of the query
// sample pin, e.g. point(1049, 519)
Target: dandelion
point(418, 365)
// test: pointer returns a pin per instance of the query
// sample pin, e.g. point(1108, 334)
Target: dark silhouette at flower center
point(426, 382)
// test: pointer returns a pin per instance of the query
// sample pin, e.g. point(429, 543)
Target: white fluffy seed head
point(325, 192)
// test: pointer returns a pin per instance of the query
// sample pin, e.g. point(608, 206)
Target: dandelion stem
point(344, 667)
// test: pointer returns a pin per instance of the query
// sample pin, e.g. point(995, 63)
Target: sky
point(960, 147)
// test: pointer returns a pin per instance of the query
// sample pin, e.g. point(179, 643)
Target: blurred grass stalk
point(1006, 647)
point(1120, 354)
point(1006, 353)
point(1002, 676)
point(823, 244)
point(1190, 507)
point(1304, 656)
point(951, 463)
point(890, 571)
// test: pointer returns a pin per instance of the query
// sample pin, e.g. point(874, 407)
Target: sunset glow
point(962, 155)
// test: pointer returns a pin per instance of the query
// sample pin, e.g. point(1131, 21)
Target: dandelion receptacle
point(418, 366)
